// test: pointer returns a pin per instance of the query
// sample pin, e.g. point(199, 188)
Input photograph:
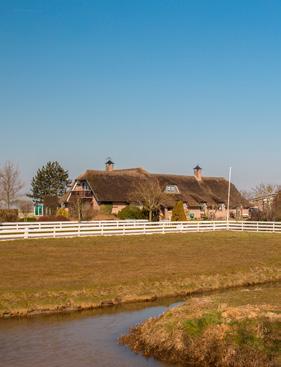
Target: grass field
point(77, 273)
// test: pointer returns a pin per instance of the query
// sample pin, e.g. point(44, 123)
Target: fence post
point(214, 226)
point(26, 232)
point(78, 229)
point(163, 228)
point(198, 226)
point(257, 226)
point(273, 227)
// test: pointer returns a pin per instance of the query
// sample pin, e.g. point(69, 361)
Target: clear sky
point(163, 84)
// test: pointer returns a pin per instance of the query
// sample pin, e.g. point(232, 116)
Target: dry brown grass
point(57, 274)
point(201, 333)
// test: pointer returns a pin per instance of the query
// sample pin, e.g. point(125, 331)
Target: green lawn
point(54, 274)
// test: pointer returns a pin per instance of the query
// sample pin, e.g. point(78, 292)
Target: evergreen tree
point(49, 183)
point(178, 213)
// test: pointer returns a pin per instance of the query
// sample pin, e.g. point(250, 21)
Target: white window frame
point(172, 189)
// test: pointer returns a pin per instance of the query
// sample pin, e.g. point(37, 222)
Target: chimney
point(198, 173)
point(109, 165)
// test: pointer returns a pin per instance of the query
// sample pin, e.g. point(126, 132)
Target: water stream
point(90, 338)
point(74, 340)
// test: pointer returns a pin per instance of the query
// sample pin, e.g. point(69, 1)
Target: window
point(203, 207)
point(85, 185)
point(172, 189)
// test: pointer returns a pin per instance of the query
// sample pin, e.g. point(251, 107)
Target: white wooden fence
point(9, 231)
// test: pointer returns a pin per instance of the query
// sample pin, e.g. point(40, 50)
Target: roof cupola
point(109, 165)
point(198, 172)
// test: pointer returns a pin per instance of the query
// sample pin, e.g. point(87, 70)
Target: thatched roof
point(118, 186)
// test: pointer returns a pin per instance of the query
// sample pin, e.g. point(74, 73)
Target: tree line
point(47, 187)
point(269, 196)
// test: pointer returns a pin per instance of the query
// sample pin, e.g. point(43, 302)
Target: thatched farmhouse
point(202, 196)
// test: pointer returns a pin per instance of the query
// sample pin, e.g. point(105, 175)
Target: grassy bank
point(204, 332)
point(79, 273)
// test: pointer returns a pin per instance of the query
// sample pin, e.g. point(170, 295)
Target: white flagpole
point(228, 197)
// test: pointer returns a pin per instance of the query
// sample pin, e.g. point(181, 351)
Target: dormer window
point(172, 189)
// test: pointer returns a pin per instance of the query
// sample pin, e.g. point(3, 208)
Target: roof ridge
point(188, 176)
point(215, 177)
point(171, 174)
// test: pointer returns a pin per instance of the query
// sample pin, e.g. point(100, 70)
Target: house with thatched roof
point(202, 196)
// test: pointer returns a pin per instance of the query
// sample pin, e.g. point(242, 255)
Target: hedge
point(9, 215)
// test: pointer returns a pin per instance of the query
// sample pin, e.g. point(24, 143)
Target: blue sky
point(163, 84)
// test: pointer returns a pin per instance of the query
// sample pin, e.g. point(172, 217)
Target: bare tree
point(276, 207)
point(247, 194)
point(264, 194)
point(25, 206)
point(10, 184)
point(76, 207)
point(81, 209)
point(264, 190)
point(149, 195)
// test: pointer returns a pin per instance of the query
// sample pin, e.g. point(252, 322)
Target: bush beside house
point(131, 212)
point(178, 213)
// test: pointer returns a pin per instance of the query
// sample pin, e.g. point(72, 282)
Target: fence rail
point(10, 231)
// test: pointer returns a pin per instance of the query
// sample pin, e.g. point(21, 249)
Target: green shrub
point(178, 213)
point(9, 215)
point(131, 212)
